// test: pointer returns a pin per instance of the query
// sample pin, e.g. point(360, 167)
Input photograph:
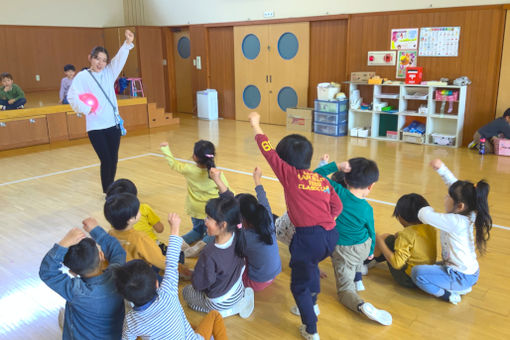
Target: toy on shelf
point(327, 91)
point(415, 127)
point(447, 96)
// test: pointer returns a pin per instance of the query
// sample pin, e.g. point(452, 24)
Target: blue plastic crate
point(330, 129)
point(330, 118)
point(331, 106)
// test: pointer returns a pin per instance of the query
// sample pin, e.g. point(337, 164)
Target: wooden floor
point(46, 190)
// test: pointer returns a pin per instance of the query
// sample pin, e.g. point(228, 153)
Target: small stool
point(136, 86)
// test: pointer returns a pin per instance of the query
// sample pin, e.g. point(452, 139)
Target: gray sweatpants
point(347, 260)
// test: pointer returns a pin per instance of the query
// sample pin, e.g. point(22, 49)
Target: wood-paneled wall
point(328, 52)
point(221, 69)
point(150, 54)
point(481, 39)
point(27, 51)
point(199, 47)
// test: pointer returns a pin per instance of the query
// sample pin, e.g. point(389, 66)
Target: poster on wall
point(439, 41)
point(404, 39)
point(405, 59)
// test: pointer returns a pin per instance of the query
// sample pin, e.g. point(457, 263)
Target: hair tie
point(208, 155)
point(239, 226)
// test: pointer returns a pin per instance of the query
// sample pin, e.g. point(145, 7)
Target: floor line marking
point(181, 160)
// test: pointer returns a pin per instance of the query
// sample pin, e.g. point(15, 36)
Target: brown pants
point(489, 146)
point(212, 324)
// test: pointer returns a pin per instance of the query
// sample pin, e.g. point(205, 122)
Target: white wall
point(179, 12)
point(90, 13)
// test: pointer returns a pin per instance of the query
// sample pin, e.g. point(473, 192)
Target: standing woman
point(103, 122)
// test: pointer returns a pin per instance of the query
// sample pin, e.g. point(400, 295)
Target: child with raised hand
point(200, 190)
point(157, 312)
point(149, 221)
point(123, 212)
point(355, 226)
point(415, 245)
point(262, 256)
point(312, 207)
point(466, 209)
point(217, 279)
point(94, 309)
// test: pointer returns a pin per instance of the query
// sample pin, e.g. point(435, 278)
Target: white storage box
point(327, 91)
point(207, 104)
point(441, 139)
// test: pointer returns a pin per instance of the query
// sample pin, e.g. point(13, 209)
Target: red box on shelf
point(414, 75)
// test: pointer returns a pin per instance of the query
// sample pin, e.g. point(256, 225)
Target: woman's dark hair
point(99, 49)
point(474, 199)
point(136, 282)
point(408, 206)
point(204, 152)
point(296, 150)
point(256, 217)
point(122, 185)
point(120, 208)
point(82, 258)
point(364, 172)
point(226, 209)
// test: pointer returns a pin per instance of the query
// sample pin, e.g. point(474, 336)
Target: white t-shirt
point(456, 233)
point(104, 117)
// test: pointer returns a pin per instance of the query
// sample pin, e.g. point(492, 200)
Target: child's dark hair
point(226, 209)
point(99, 49)
point(120, 208)
point(69, 67)
point(474, 199)
point(296, 150)
point(507, 113)
point(121, 185)
point(339, 177)
point(136, 282)
point(364, 172)
point(256, 217)
point(204, 152)
point(82, 258)
point(408, 206)
point(6, 75)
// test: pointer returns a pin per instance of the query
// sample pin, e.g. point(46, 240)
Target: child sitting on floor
point(414, 245)
point(157, 311)
point(94, 310)
point(11, 95)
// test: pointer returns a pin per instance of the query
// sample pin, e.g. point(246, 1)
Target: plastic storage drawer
point(330, 129)
point(329, 118)
point(336, 106)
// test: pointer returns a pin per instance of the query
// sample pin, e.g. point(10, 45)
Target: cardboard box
point(411, 137)
point(502, 146)
point(299, 119)
point(361, 76)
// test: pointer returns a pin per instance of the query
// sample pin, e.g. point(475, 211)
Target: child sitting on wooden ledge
point(11, 95)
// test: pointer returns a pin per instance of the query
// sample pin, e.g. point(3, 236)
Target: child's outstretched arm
point(110, 246)
point(171, 280)
point(50, 273)
point(445, 173)
point(218, 179)
point(259, 189)
point(255, 123)
point(180, 167)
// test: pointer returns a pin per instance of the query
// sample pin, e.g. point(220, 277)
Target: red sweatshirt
point(310, 198)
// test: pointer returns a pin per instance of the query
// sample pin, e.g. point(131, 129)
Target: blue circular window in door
point(288, 46)
point(183, 47)
point(251, 46)
point(287, 97)
point(251, 96)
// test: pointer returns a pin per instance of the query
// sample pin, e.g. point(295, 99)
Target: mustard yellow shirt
point(139, 246)
point(414, 245)
point(148, 219)
point(200, 187)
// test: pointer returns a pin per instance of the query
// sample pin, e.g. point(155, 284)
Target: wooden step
point(158, 116)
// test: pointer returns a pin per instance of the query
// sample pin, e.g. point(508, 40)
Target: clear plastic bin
point(330, 118)
point(336, 106)
point(330, 129)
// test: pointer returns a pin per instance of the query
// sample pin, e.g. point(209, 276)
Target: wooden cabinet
point(76, 125)
point(21, 132)
point(271, 69)
point(134, 116)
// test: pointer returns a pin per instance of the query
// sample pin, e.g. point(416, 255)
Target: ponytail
point(483, 221)
point(256, 216)
point(205, 153)
point(474, 199)
point(226, 209)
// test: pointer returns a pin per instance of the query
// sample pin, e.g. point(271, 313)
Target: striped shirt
point(164, 318)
